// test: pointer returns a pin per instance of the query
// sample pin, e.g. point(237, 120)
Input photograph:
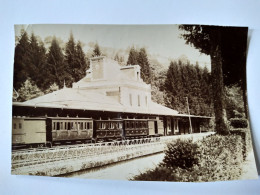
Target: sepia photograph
point(131, 102)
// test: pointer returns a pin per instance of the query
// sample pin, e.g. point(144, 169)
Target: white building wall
point(125, 97)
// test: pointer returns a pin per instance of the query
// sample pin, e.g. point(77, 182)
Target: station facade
point(110, 91)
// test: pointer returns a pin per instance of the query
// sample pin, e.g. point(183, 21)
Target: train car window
point(58, 126)
point(20, 125)
point(112, 125)
point(14, 125)
point(54, 126)
point(81, 126)
point(65, 125)
point(90, 125)
point(71, 125)
point(120, 125)
point(103, 125)
point(61, 125)
point(137, 125)
point(132, 124)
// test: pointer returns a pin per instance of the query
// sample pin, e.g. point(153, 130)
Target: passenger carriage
point(67, 129)
point(108, 130)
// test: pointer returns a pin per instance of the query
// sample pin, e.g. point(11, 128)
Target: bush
point(214, 158)
point(181, 153)
point(239, 123)
point(246, 138)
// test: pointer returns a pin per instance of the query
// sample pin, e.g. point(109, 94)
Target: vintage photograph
point(131, 102)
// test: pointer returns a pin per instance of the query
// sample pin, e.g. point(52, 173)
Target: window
point(14, 125)
point(138, 100)
point(20, 125)
point(58, 126)
point(54, 126)
point(130, 99)
point(65, 126)
point(61, 125)
point(90, 125)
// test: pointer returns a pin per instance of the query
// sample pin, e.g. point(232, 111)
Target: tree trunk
point(217, 83)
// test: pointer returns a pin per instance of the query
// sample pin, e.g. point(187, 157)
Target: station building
point(110, 91)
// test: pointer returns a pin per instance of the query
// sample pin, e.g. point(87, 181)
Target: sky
point(163, 42)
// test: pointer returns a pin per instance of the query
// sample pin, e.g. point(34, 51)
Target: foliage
point(207, 39)
point(132, 57)
point(46, 68)
point(140, 58)
point(239, 123)
point(28, 91)
point(144, 65)
point(181, 153)
point(96, 51)
point(53, 87)
point(219, 158)
point(234, 102)
point(246, 137)
point(186, 80)
point(119, 59)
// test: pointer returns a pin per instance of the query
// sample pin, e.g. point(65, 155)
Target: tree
point(21, 59)
point(132, 57)
point(209, 40)
point(119, 59)
point(142, 60)
point(96, 51)
point(53, 87)
point(75, 60)
point(36, 66)
point(70, 58)
point(56, 68)
point(28, 91)
point(81, 61)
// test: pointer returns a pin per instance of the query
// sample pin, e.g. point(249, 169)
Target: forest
point(39, 70)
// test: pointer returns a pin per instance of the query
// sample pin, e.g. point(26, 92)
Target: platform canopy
point(71, 98)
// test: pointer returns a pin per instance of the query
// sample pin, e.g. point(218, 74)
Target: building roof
point(71, 98)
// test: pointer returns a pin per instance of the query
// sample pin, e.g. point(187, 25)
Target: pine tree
point(145, 66)
point(70, 58)
point(96, 51)
point(55, 65)
point(21, 59)
point(53, 87)
point(133, 57)
point(37, 55)
point(81, 62)
point(28, 91)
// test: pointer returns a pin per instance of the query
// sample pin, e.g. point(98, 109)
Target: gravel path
point(249, 170)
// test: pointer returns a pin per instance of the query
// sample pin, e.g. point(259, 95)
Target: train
point(49, 131)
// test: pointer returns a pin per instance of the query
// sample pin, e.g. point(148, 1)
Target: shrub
point(213, 158)
point(181, 153)
point(239, 123)
point(246, 138)
point(158, 174)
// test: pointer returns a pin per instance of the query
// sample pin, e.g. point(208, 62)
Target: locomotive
point(48, 131)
